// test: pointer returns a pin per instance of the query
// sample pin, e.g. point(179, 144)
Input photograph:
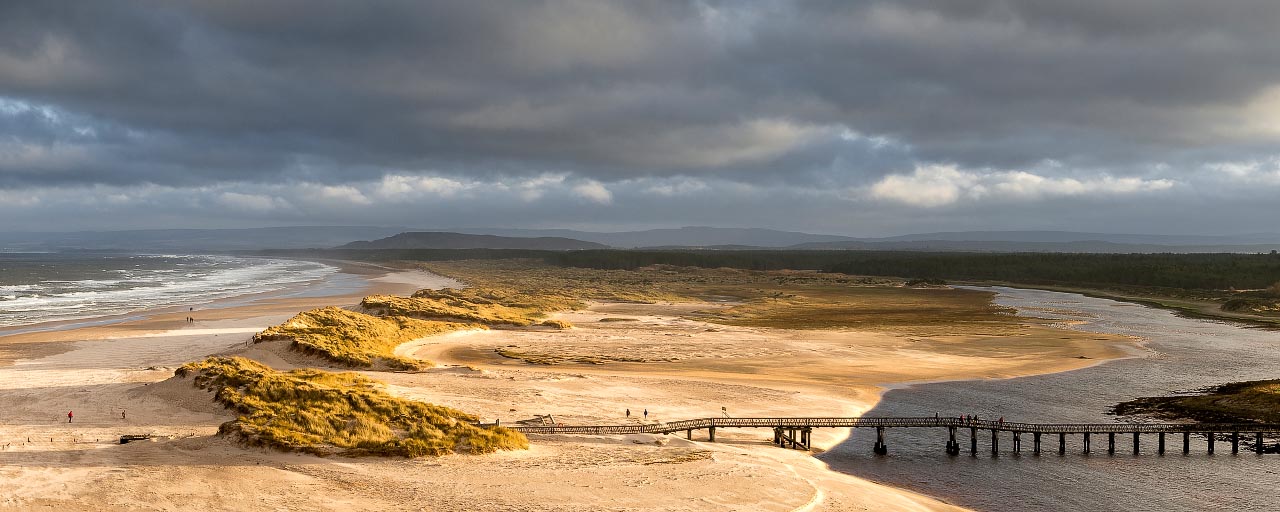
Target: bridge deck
point(864, 422)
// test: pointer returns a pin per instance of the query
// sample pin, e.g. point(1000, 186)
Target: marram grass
point(326, 413)
point(467, 305)
point(356, 339)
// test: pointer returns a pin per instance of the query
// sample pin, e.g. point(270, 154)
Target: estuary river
point(1183, 354)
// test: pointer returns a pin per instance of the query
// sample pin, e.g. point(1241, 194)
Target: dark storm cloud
point(824, 96)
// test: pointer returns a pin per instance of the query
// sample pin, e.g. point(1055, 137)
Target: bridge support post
point(1035, 443)
point(1135, 443)
point(711, 433)
point(1062, 443)
point(1017, 442)
point(688, 434)
point(880, 448)
point(995, 443)
point(1235, 443)
point(777, 436)
point(1211, 440)
point(953, 446)
point(806, 437)
point(1186, 443)
point(1111, 443)
point(1086, 442)
point(1257, 442)
point(973, 441)
point(1160, 449)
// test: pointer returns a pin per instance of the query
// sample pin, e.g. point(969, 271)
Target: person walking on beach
point(70, 415)
point(646, 414)
point(628, 413)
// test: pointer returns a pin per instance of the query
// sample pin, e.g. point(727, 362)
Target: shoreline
point(246, 299)
point(1199, 310)
point(288, 301)
point(1138, 349)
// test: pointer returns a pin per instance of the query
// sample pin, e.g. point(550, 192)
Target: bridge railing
point(897, 422)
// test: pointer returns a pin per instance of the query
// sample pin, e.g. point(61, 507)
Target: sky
point(861, 118)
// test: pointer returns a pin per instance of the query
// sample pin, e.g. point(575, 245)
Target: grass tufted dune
point(356, 339)
point(337, 413)
point(486, 306)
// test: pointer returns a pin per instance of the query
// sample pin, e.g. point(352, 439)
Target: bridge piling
point(688, 434)
point(1257, 443)
point(995, 443)
point(1160, 449)
point(973, 441)
point(1017, 442)
point(1086, 443)
point(1211, 440)
point(1186, 443)
point(711, 434)
point(1235, 443)
point(1062, 443)
point(880, 448)
point(1111, 443)
point(953, 446)
point(777, 435)
point(1135, 443)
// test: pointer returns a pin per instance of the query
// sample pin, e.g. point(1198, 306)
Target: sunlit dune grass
point(486, 306)
point(357, 339)
point(337, 413)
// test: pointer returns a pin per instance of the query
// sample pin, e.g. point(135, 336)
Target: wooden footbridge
point(796, 432)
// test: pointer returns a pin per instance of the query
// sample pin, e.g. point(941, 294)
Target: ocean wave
point(201, 280)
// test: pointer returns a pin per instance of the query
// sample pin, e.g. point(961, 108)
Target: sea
point(44, 288)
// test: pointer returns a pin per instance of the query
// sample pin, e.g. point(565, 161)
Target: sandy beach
point(116, 378)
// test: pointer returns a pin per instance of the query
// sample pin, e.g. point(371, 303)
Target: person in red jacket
point(70, 414)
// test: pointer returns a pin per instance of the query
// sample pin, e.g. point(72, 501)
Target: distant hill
point(689, 236)
point(445, 240)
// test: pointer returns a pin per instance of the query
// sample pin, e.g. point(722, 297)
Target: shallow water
point(1185, 354)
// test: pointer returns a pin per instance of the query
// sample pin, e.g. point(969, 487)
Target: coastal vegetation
point(1224, 285)
point(776, 299)
point(485, 305)
point(1238, 402)
point(327, 413)
point(356, 339)
point(1221, 271)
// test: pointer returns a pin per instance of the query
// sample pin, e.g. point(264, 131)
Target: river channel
point(1181, 354)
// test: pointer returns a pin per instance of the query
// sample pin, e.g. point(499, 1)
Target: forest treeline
point(1185, 271)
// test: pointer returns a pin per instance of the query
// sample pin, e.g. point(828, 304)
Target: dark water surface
point(1185, 354)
